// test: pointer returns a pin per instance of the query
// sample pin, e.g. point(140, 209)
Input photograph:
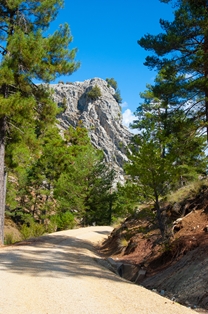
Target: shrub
point(117, 97)
point(63, 221)
point(9, 239)
point(34, 230)
point(63, 105)
point(94, 93)
point(111, 82)
point(25, 232)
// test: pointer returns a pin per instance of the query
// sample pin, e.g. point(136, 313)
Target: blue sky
point(106, 33)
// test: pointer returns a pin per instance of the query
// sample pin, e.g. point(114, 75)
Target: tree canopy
point(68, 180)
point(181, 51)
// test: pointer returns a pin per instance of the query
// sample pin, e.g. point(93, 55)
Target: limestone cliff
point(102, 117)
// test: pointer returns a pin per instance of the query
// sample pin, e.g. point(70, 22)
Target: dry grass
point(187, 191)
point(123, 243)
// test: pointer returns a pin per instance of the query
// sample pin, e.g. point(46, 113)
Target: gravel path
point(58, 274)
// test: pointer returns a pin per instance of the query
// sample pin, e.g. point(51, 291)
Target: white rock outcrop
point(102, 117)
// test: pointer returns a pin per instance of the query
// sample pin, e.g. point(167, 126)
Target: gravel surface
point(58, 274)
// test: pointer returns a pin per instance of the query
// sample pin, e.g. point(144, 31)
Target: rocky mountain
point(101, 116)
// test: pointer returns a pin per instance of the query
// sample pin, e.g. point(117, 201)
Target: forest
point(51, 181)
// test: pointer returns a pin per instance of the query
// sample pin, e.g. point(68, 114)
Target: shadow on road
point(54, 256)
point(103, 232)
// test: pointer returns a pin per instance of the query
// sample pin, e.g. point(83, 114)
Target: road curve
point(59, 274)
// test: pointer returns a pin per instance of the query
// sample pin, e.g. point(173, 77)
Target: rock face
point(102, 117)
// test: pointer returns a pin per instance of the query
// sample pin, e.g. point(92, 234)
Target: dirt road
point(58, 274)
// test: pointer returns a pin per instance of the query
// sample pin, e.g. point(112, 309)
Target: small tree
point(152, 174)
point(117, 96)
point(94, 93)
point(111, 82)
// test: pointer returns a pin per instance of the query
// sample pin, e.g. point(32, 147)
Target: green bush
point(63, 221)
point(111, 82)
point(34, 230)
point(25, 232)
point(9, 239)
point(117, 97)
point(94, 93)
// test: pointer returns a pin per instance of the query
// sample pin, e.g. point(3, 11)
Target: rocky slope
point(102, 117)
point(178, 268)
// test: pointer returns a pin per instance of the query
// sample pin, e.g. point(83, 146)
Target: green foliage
point(111, 82)
point(67, 179)
point(28, 55)
point(84, 187)
point(117, 96)
point(25, 232)
point(150, 172)
point(34, 230)
point(126, 199)
point(149, 169)
point(62, 105)
point(9, 239)
point(177, 134)
point(62, 221)
point(167, 152)
point(94, 93)
point(181, 53)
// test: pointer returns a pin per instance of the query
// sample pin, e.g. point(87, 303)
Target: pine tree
point(28, 54)
point(150, 171)
point(167, 151)
point(83, 187)
point(178, 133)
point(182, 49)
point(99, 202)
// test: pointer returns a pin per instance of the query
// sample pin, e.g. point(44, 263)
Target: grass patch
point(9, 239)
point(123, 243)
point(187, 191)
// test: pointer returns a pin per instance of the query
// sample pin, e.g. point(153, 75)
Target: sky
point(105, 32)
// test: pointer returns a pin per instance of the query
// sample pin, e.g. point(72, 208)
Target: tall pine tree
point(29, 54)
point(167, 151)
point(182, 49)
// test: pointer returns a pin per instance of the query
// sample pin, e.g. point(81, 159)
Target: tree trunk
point(206, 70)
point(110, 210)
point(2, 177)
point(206, 110)
point(159, 217)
